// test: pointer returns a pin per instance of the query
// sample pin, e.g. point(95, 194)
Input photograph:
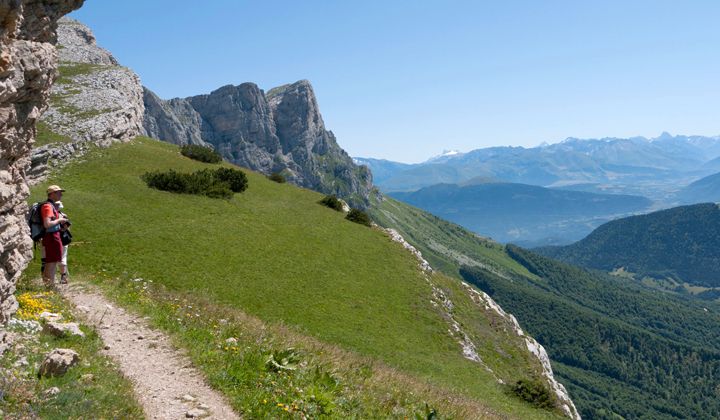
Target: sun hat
point(54, 188)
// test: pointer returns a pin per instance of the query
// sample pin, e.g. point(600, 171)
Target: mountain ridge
point(281, 131)
point(651, 167)
point(511, 212)
point(298, 264)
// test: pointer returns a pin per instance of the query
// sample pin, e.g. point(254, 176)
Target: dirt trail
point(166, 384)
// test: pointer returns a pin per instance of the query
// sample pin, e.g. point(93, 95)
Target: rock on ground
point(57, 362)
point(59, 329)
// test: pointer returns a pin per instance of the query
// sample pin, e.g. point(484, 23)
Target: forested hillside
point(681, 243)
point(621, 349)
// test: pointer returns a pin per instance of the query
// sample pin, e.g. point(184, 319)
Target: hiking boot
point(63, 278)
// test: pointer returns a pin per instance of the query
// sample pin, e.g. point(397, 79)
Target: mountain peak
point(446, 153)
point(664, 136)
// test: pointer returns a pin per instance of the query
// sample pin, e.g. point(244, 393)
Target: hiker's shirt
point(51, 240)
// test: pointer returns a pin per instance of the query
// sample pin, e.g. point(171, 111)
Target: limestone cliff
point(95, 100)
point(28, 62)
point(281, 131)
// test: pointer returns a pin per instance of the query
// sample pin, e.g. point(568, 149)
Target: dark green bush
point(277, 177)
point(235, 178)
point(358, 216)
point(534, 392)
point(201, 153)
point(332, 202)
point(219, 183)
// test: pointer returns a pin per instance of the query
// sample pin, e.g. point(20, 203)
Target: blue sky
point(403, 80)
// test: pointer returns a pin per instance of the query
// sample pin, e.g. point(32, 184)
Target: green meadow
point(299, 270)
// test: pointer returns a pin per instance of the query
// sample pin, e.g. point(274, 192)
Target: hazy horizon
point(444, 151)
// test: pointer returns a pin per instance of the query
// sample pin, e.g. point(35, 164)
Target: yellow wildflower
point(32, 305)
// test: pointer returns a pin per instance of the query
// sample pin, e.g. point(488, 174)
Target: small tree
point(277, 177)
point(332, 202)
point(200, 153)
point(358, 216)
point(534, 392)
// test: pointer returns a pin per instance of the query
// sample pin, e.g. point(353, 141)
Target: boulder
point(63, 329)
point(57, 362)
point(50, 317)
point(5, 342)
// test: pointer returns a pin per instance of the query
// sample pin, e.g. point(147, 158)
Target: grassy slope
point(276, 254)
point(46, 136)
point(445, 244)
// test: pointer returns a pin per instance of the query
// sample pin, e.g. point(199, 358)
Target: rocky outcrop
point(483, 300)
point(28, 62)
point(175, 119)
point(281, 131)
point(441, 300)
point(95, 100)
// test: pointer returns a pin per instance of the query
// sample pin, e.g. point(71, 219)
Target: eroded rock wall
point(95, 100)
point(28, 62)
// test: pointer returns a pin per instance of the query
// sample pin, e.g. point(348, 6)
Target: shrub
point(332, 202)
point(219, 183)
point(277, 177)
point(235, 178)
point(358, 216)
point(534, 392)
point(201, 153)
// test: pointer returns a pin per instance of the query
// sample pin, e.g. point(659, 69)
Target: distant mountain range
point(521, 213)
point(681, 244)
point(656, 168)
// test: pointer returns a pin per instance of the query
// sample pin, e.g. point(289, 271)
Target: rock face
point(28, 63)
point(281, 131)
point(95, 100)
point(174, 119)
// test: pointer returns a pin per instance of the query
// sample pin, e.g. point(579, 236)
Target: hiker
point(65, 238)
point(52, 244)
